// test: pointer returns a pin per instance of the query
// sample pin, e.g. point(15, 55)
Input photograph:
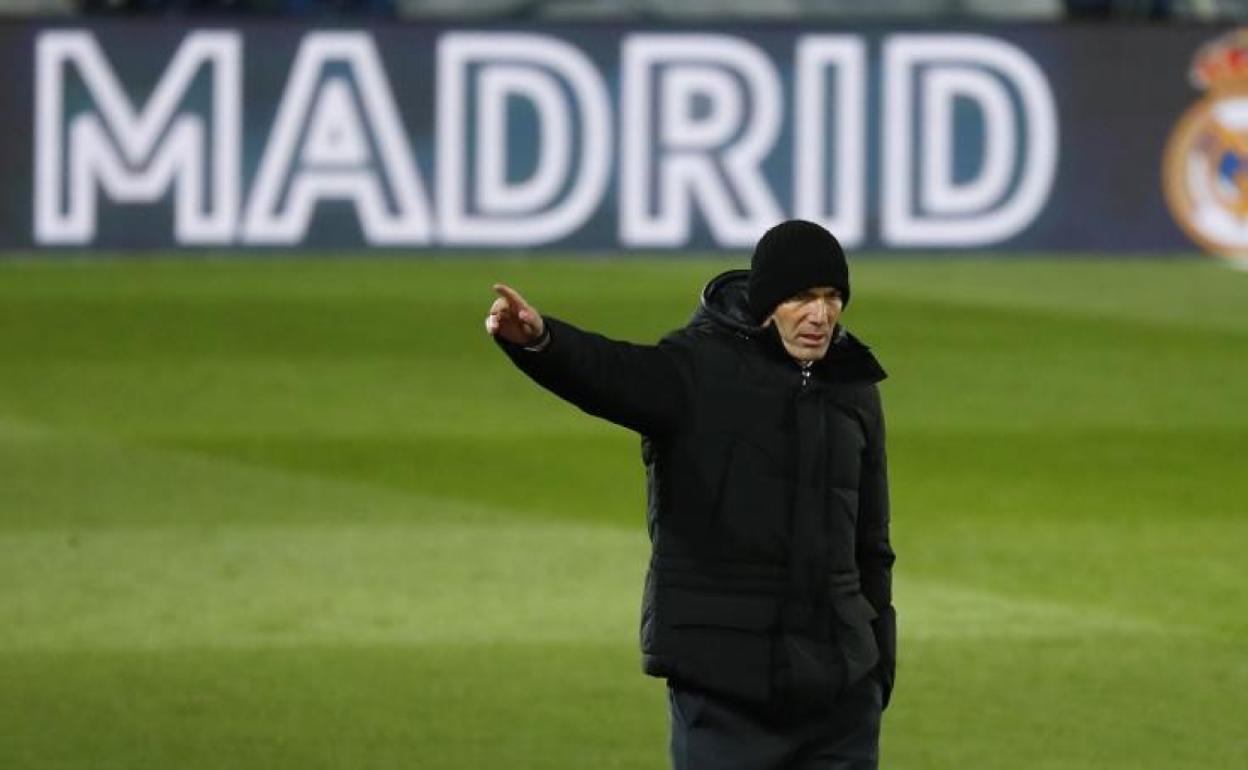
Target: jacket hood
point(726, 304)
point(725, 307)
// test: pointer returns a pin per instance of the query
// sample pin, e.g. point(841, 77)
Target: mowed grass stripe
point(318, 586)
point(433, 707)
point(1017, 703)
point(346, 571)
point(84, 482)
point(964, 365)
point(421, 584)
point(1183, 293)
point(327, 579)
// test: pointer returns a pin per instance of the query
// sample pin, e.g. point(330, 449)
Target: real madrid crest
point(1205, 170)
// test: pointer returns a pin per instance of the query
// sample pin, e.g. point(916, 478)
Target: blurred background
point(270, 497)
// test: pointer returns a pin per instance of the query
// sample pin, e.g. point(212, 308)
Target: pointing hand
point(513, 319)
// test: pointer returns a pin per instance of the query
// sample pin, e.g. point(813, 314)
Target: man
point(768, 600)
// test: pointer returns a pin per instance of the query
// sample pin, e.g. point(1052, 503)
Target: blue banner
point(159, 135)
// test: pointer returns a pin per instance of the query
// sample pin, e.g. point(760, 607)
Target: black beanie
point(790, 258)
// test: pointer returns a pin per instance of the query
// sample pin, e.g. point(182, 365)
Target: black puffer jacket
point(770, 579)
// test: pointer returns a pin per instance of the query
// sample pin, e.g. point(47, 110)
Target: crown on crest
point(1222, 62)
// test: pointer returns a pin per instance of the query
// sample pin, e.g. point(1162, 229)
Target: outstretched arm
point(641, 387)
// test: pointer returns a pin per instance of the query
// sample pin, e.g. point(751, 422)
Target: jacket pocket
point(811, 674)
point(719, 642)
point(855, 635)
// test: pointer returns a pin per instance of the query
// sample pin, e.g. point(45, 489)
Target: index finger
point(511, 295)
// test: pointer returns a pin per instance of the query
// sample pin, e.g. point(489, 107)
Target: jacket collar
point(725, 305)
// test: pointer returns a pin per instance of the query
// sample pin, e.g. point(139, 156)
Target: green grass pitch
point(300, 515)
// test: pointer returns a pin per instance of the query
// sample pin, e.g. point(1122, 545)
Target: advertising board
point(159, 135)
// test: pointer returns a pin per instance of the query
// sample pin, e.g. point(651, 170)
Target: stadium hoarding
point(161, 134)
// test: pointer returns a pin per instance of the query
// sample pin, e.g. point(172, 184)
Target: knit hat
point(791, 257)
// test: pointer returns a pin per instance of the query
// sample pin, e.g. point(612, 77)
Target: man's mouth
point(812, 338)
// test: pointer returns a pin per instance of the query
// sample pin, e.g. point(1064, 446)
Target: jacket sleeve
point(875, 553)
point(642, 387)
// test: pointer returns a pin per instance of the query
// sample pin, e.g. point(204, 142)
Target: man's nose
point(821, 311)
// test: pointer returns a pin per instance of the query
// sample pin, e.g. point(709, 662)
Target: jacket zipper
point(805, 374)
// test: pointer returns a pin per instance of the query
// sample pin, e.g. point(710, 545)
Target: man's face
point(806, 320)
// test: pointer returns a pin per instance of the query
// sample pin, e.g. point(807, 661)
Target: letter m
point(135, 155)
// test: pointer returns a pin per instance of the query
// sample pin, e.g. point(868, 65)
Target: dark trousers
point(710, 733)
